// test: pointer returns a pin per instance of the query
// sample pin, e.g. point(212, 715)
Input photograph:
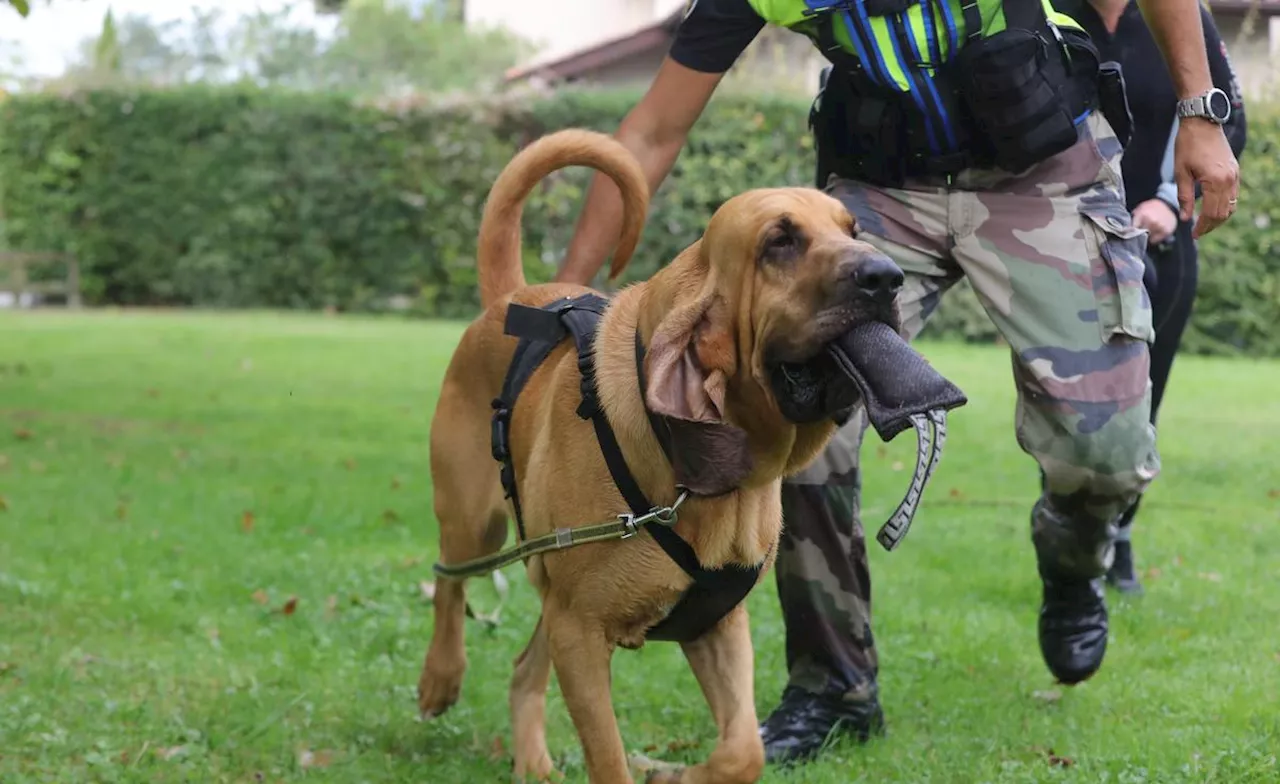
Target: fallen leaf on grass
point(497, 749)
point(314, 759)
point(410, 561)
point(677, 746)
point(1212, 577)
point(428, 589)
point(395, 483)
point(22, 434)
point(246, 522)
point(390, 516)
point(955, 493)
point(260, 596)
point(4, 504)
point(349, 464)
point(897, 465)
point(1153, 573)
point(1273, 494)
point(8, 667)
point(153, 392)
point(122, 511)
point(882, 451)
point(171, 752)
point(1053, 758)
point(290, 605)
point(1048, 696)
point(331, 607)
point(4, 462)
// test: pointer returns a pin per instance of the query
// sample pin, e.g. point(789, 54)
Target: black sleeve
point(714, 33)
point(1224, 78)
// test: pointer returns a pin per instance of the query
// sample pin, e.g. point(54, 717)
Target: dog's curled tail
point(499, 253)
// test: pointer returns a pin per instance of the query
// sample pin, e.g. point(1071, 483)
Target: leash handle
point(931, 436)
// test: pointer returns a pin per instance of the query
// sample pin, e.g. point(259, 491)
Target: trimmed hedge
point(239, 197)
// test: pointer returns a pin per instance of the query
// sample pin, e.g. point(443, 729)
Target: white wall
point(561, 26)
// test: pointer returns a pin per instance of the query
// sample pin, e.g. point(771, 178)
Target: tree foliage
point(369, 48)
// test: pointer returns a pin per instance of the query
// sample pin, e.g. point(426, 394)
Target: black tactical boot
point(801, 724)
point(1122, 575)
point(1073, 626)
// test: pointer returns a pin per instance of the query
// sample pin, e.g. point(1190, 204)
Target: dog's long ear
point(691, 357)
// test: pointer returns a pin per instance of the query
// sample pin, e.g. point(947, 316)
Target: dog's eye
point(781, 241)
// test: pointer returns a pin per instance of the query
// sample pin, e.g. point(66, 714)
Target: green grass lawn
point(213, 531)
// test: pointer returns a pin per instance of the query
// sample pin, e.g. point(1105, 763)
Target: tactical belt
point(1022, 109)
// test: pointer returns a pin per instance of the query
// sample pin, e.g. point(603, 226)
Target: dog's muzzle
point(900, 389)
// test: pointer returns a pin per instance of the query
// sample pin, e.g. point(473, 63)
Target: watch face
point(1219, 105)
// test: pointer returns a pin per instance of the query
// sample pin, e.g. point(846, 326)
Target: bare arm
point(1201, 152)
point(655, 131)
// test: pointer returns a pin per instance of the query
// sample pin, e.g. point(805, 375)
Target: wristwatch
point(1213, 105)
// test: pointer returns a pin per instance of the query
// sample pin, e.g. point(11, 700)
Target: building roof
point(582, 61)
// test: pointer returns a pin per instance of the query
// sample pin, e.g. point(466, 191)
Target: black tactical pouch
point(857, 136)
point(1113, 100)
point(1023, 92)
point(886, 7)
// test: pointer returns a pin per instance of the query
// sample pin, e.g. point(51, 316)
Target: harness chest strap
point(713, 592)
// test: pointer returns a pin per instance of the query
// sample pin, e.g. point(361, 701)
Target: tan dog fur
point(707, 320)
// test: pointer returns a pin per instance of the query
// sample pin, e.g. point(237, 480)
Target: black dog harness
point(714, 592)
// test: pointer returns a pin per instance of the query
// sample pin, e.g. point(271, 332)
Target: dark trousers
point(1171, 275)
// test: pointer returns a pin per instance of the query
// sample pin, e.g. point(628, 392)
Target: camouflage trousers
point(1058, 266)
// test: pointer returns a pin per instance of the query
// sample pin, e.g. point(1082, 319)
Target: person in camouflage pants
point(1057, 265)
point(1051, 252)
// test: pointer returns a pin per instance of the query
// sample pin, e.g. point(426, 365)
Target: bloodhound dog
point(734, 330)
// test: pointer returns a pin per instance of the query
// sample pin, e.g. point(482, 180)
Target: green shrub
point(240, 197)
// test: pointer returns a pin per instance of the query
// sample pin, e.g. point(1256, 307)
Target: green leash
point(624, 527)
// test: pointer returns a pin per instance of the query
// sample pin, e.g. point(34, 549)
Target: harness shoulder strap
point(540, 330)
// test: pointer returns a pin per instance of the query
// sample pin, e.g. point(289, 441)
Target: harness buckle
point(629, 523)
point(498, 432)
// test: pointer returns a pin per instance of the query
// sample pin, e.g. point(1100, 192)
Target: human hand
point(1201, 155)
point(1157, 218)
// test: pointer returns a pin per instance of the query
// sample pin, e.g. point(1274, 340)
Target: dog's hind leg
point(528, 708)
point(722, 662)
point(473, 523)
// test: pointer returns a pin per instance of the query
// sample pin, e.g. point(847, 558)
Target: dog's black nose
point(879, 278)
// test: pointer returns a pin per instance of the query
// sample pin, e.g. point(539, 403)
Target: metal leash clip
point(664, 515)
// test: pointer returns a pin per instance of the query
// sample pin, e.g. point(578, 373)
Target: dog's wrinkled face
point(777, 276)
point(813, 280)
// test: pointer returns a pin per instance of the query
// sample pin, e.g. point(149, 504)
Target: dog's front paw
point(538, 769)
point(651, 771)
point(438, 691)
